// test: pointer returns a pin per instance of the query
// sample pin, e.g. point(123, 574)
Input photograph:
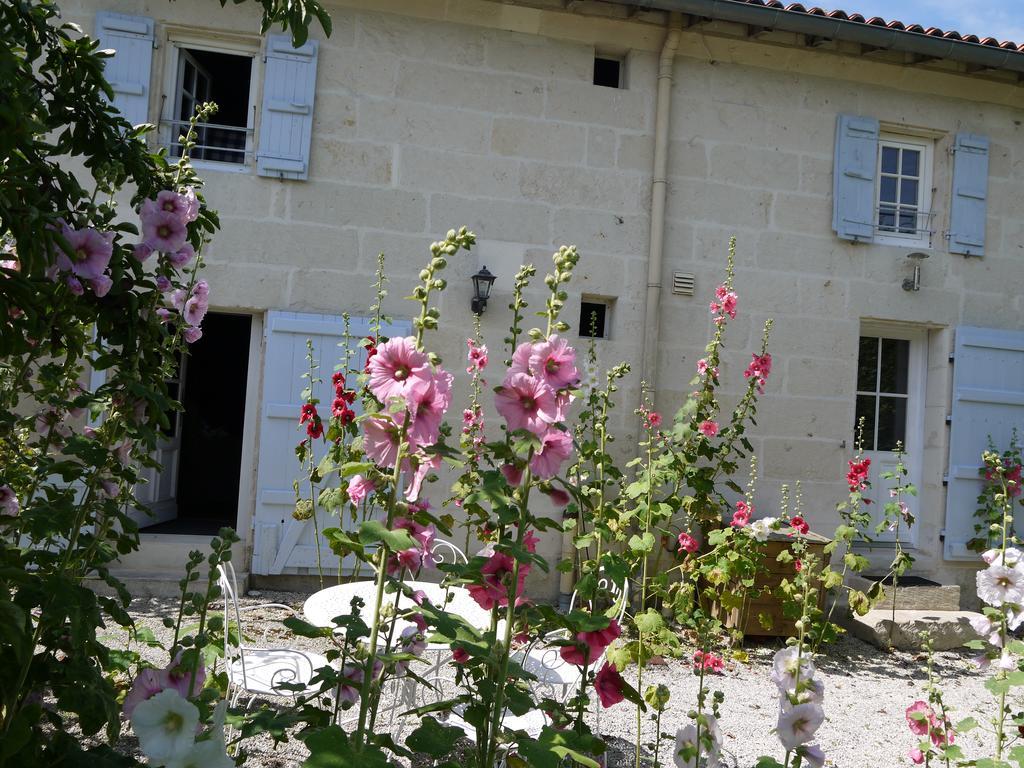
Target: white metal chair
point(442, 551)
point(261, 671)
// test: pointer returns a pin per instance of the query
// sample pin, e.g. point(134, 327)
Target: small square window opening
point(226, 79)
point(595, 319)
point(903, 192)
point(607, 72)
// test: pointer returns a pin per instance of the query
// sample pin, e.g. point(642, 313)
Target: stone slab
point(941, 597)
point(948, 629)
point(154, 583)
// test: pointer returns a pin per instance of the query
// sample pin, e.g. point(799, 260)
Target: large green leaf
point(330, 748)
point(433, 738)
point(373, 531)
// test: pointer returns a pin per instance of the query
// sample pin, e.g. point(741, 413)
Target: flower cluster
point(165, 226)
point(707, 662)
point(590, 646)
point(416, 557)
point(87, 259)
point(760, 529)
point(1012, 475)
point(309, 416)
point(341, 408)
point(192, 306)
point(476, 356)
point(759, 369)
point(923, 721)
point(497, 574)
point(800, 710)
point(741, 517)
point(799, 525)
point(687, 747)
point(725, 303)
point(688, 543)
point(857, 477)
point(535, 397)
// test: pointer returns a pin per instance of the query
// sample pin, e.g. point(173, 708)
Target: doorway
point(205, 476)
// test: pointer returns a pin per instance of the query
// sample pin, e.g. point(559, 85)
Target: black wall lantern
point(482, 282)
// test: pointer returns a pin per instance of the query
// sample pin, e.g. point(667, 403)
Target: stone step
point(158, 583)
point(947, 629)
point(915, 596)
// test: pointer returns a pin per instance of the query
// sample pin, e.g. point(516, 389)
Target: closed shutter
point(970, 191)
point(988, 400)
point(281, 543)
point(286, 124)
point(129, 69)
point(853, 178)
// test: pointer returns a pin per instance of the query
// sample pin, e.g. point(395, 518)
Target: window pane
point(887, 189)
point(890, 160)
point(895, 363)
point(908, 191)
point(908, 221)
point(892, 423)
point(866, 411)
point(911, 162)
point(887, 218)
point(867, 364)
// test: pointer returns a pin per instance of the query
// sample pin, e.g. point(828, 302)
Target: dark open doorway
point(213, 395)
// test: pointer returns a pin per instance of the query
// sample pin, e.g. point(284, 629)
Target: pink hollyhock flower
point(493, 591)
point(729, 304)
point(141, 251)
point(799, 525)
point(380, 440)
point(743, 507)
point(422, 534)
point(182, 256)
point(459, 655)
point(477, 356)
point(814, 756)
point(521, 359)
point(709, 662)
point(942, 733)
point(918, 726)
point(191, 204)
point(74, 285)
point(408, 559)
point(359, 487)
point(8, 501)
point(702, 366)
point(90, 252)
point(798, 725)
point(192, 334)
point(195, 310)
point(559, 497)
point(513, 475)
point(110, 488)
point(590, 645)
point(185, 207)
point(740, 518)
point(179, 677)
point(554, 361)
point(352, 677)
point(148, 684)
point(857, 477)
point(201, 289)
point(555, 448)
point(428, 406)
point(101, 285)
point(163, 231)
point(759, 368)
point(526, 403)
point(609, 685)
point(163, 284)
point(398, 369)
point(653, 420)
point(687, 543)
point(419, 621)
point(708, 428)
point(916, 756)
point(424, 465)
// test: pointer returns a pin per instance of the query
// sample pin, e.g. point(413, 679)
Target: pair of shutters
point(289, 88)
point(854, 197)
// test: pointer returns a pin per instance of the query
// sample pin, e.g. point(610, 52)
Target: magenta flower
point(201, 289)
point(192, 334)
point(163, 230)
point(182, 256)
point(359, 487)
point(380, 440)
point(422, 534)
point(428, 406)
point(609, 685)
point(590, 645)
point(163, 284)
point(195, 310)
point(513, 474)
point(687, 543)
point(521, 359)
point(179, 677)
point(74, 285)
point(526, 403)
point(399, 370)
point(556, 446)
point(141, 251)
point(919, 725)
point(184, 206)
point(558, 497)
point(916, 756)
point(423, 466)
point(493, 591)
point(554, 361)
point(90, 252)
point(101, 285)
point(147, 685)
point(708, 428)
point(8, 501)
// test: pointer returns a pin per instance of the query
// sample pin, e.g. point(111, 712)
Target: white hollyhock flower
point(981, 624)
point(1006, 662)
point(204, 754)
point(998, 584)
point(799, 724)
point(1012, 557)
point(811, 692)
point(166, 726)
point(784, 667)
point(686, 738)
point(760, 529)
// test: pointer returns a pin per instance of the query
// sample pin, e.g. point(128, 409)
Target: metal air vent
point(683, 283)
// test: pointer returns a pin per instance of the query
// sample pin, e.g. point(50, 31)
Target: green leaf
point(965, 725)
point(373, 531)
point(767, 762)
point(304, 628)
point(649, 622)
point(643, 543)
point(433, 738)
point(997, 685)
point(330, 748)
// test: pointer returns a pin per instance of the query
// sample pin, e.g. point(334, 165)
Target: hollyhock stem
point(643, 591)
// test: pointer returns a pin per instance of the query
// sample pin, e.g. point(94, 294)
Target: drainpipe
point(659, 189)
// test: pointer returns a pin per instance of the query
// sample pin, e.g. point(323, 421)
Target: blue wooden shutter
point(853, 178)
point(988, 400)
point(129, 69)
point(970, 189)
point(289, 85)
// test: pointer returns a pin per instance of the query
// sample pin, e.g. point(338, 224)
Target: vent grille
point(683, 283)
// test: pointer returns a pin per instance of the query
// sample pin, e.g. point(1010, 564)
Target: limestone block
point(947, 629)
point(255, 286)
point(805, 254)
point(541, 56)
point(470, 89)
point(342, 205)
point(334, 114)
point(807, 376)
point(238, 194)
point(417, 38)
point(807, 459)
point(420, 168)
point(244, 241)
point(936, 597)
point(583, 187)
point(354, 162)
point(491, 219)
point(356, 71)
point(601, 232)
point(817, 416)
point(601, 147)
point(422, 124)
point(588, 103)
point(802, 213)
point(815, 175)
point(823, 296)
point(755, 166)
point(724, 204)
point(538, 139)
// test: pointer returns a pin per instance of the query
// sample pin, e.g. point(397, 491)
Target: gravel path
point(866, 693)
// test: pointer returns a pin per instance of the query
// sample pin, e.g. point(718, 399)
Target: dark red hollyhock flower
point(308, 412)
point(799, 524)
point(857, 477)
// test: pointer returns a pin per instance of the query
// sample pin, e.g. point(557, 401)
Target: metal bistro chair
point(261, 671)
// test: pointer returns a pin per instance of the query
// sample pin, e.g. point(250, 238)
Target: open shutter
point(970, 190)
point(286, 125)
point(988, 400)
point(281, 543)
point(853, 178)
point(129, 69)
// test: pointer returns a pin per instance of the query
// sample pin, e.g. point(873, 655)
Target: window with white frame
point(198, 72)
point(903, 190)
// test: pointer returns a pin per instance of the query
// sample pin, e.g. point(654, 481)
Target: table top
point(321, 607)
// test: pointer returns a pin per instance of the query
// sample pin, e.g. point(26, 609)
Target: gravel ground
point(866, 693)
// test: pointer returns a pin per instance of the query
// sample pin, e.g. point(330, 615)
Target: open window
point(904, 190)
point(197, 73)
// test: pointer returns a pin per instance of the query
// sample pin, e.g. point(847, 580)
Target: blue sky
point(1002, 19)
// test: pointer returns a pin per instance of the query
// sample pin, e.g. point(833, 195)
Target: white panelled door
point(988, 402)
point(281, 543)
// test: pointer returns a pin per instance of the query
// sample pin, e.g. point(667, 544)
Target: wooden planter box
point(767, 602)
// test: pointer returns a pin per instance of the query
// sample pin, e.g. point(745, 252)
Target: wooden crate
point(769, 603)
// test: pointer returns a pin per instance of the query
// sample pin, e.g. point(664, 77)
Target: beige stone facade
point(430, 115)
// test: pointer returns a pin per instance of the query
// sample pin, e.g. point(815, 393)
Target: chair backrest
point(617, 592)
point(443, 551)
point(229, 590)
